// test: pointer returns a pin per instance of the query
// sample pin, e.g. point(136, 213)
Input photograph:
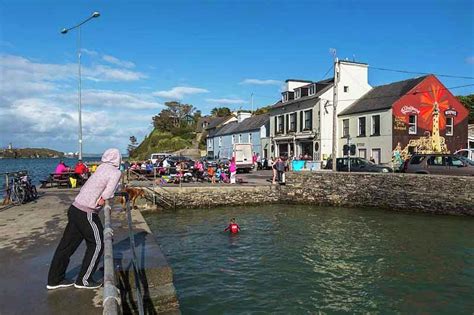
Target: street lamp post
point(79, 88)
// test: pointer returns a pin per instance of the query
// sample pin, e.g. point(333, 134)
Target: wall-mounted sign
point(399, 124)
point(450, 112)
point(408, 109)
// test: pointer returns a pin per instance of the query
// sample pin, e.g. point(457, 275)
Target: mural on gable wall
point(431, 106)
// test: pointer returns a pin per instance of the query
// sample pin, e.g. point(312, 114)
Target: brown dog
point(133, 194)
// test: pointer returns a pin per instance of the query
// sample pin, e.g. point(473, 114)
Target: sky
point(140, 54)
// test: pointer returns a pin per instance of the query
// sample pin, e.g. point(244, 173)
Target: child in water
point(233, 227)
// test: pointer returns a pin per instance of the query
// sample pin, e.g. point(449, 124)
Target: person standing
point(280, 168)
point(84, 224)
point(274, 170)
point(232, 170)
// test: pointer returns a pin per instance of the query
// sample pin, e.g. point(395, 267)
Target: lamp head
point(63, 31)
point(95, 14)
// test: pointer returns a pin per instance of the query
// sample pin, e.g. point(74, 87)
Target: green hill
point(158, 141)
point(30, 153)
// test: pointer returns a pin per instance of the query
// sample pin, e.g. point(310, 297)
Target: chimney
point(241, 116)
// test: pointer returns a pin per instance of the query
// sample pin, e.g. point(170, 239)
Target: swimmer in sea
point(233, 227)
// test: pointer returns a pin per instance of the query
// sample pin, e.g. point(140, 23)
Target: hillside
point(159, 141)
point(30, 153)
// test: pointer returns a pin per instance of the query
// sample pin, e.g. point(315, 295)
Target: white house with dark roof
point(301, 122)
point(399, 115)
point(245, 129)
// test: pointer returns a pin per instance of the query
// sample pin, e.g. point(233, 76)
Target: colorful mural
point(420, 120)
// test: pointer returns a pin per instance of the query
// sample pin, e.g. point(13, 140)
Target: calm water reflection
point(295, 259)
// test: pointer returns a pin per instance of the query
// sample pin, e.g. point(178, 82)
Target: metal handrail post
point(111, 293)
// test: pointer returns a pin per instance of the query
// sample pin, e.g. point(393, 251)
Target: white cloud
point(89, 52)
point(225, 101)
point(179, 92)
point(470, 60)
point(117, 99)
point(261, 82)
point(118, 62)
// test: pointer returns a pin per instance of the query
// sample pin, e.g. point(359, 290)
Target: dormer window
point(312, 89)
point(297, 93)
point(284, 97)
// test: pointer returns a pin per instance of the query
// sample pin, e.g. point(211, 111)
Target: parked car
point(358, 165)
point(158, 157)
point(442, 164)
point(467, 153)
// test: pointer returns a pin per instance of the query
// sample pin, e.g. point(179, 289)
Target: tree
point(262, 110)
point(220, 111)
point(468, 102)
point(173, 116)
point(132, 146)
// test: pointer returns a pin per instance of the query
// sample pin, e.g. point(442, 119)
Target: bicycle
point(16, 194)
point(30, 190)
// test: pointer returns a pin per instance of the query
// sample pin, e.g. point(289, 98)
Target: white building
point(301, 123)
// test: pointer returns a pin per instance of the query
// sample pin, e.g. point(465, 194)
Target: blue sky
point(140, 54)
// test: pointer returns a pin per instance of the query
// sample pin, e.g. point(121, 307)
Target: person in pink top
point(61, 168)
point(84, 224)
point(232, 170)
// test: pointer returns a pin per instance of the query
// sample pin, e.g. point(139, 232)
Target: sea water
point(305, 260)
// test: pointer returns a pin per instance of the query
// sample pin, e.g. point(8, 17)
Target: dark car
point(442, 164)
point(358, 165)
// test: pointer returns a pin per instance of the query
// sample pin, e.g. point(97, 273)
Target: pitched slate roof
point(382, 97)
point(251, 123)
point(216, 121)
point(321, 87)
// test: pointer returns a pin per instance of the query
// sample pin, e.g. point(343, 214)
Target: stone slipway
point(29, 235)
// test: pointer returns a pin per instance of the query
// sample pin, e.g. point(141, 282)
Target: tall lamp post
point(79, 106)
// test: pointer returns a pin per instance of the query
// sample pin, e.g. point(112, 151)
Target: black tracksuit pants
point(81, 226)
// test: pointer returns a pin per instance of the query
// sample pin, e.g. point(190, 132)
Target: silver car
point(441, 164)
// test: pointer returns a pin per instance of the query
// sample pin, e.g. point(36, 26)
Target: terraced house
point(245, 129)
point(301, 122)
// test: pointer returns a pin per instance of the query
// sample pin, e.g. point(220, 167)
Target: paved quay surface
point(29, 235)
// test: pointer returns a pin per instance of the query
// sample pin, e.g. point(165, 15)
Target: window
point(308, 119)
point(346, 88)
point(297, 93)
point(345, 128)
point(293, 122)
point(312, 89)
point(436, 161)
point(412, 129)
point(376, 125)
point(284, 97)
point(301, 121)
point(361, 127)
point(209, 143)
point(454, 161)
point(250, 138)
point(220, 141)
point(449, 126)
point(240, 138)
point(417, 159)
point(363, 153)
point(280, 124)
point(233, 139)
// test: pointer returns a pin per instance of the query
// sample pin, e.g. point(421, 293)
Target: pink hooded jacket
point(102, 183)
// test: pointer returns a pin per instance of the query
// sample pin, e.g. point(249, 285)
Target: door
point(436, 164)
point(377, 154)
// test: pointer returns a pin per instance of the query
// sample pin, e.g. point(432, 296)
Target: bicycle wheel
point(34, 192)
point(20, 194)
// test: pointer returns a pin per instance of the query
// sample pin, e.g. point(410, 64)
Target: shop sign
point(450, 112)
point(408, 109)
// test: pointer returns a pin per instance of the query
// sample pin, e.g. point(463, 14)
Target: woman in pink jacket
point(84, 224)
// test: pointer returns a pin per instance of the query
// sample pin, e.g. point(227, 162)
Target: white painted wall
point(382, 142)
point(292, 85)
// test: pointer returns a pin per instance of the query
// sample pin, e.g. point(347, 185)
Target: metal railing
point(159, 194)
point(112, 302)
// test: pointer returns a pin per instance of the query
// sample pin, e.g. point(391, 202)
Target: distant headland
point(30, 153)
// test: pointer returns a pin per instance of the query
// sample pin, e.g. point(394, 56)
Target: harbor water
point(305, 260)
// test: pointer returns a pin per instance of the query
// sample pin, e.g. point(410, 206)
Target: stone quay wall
point(407, 192)
point(404, 192)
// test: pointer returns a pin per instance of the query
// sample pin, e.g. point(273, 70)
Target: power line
point(408, 93)
point(332, 66)
point(424, 73)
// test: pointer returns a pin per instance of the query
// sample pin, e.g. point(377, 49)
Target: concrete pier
point(29, 235)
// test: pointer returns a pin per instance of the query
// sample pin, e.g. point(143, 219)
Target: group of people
point(80, 171)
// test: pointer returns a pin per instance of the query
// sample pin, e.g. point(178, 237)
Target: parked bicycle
point(20, 189)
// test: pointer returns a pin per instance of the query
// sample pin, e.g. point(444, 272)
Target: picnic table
point(58, 179)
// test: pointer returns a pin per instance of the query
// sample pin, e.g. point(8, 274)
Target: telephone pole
point(334, 115)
